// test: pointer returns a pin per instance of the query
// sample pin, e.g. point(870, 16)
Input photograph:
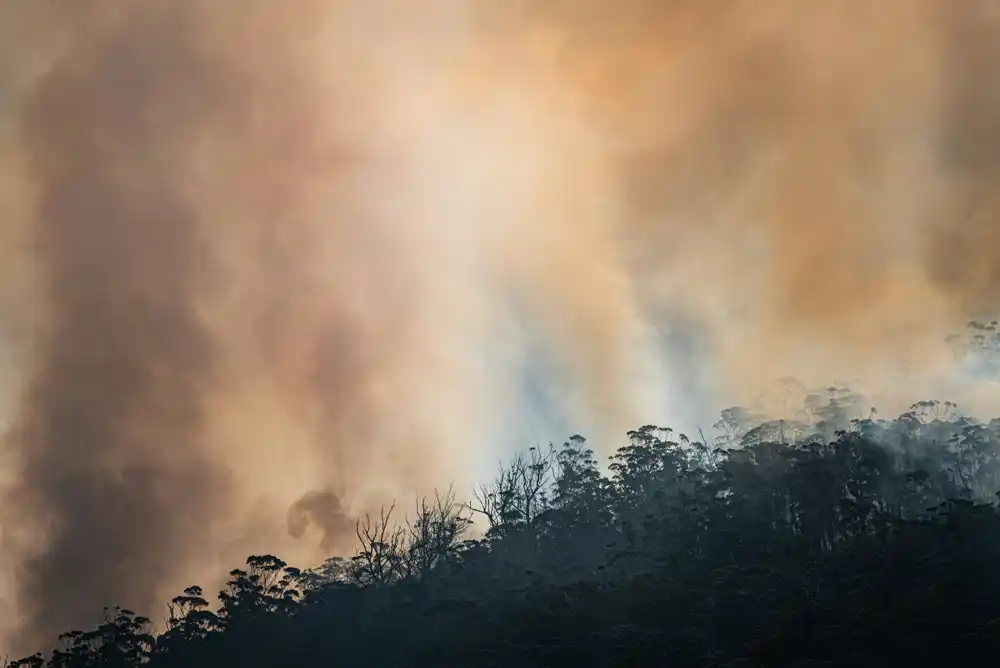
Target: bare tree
point(519, 493)
point(380, 558)
point(434, 533)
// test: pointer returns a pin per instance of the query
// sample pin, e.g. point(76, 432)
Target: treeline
point(837, 538)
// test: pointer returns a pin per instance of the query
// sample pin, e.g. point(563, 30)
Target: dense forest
point(836, 538)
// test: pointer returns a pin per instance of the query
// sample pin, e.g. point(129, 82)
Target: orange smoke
point(268, 265)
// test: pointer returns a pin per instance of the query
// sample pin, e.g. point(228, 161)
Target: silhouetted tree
point(833, 537)
point(380, 559)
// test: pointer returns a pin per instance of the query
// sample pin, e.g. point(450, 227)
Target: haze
point(264, 266)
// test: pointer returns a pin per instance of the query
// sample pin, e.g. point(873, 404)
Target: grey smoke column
point(112, 474)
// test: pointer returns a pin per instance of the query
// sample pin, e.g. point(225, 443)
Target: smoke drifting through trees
point(297, 246)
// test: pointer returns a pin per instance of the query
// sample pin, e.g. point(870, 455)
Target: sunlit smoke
point(264, 266)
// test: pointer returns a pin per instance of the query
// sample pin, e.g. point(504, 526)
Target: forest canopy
point(839, 537)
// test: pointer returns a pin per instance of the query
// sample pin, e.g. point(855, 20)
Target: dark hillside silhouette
point(830, 540)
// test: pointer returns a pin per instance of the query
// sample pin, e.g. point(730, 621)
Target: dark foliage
point(824, 541)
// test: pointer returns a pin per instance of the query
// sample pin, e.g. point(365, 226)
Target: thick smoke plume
point(266, 265)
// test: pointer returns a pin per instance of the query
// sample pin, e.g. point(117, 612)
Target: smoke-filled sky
point(264, 265)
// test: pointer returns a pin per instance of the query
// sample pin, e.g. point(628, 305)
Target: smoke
point(323, 510)
point(267, 266)
point(110, 464)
